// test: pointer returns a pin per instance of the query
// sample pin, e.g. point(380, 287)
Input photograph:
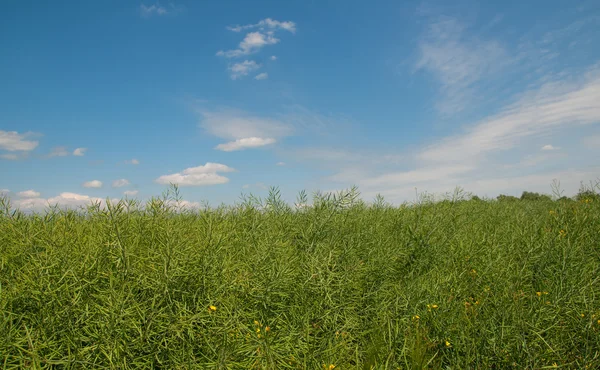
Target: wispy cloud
point(120, 183)
point(554, 106)
point(549, 147)
point(262, 34)
point(58, 151)
point(132, 161)
point(459, 61)
point(233, 124)
point(252, 43)
point(242, 69)
point(207, 174)
point(14, 141)
point(92, 184)
point(9, 156)
point(28, 194)
point(261, 76)
point(79, 152)
point(130, 193)
point(266, 23)
point(64, 200)
point(245, 143)
point(147, 11)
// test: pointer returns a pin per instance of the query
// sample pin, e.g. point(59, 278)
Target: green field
point(454, 284)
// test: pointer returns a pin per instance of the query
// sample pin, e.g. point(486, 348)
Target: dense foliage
point(450, 284)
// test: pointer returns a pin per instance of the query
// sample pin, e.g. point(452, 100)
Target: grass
point(453, 284)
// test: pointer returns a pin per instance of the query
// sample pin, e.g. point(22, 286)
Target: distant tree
point(588, 193)
point(534, 196)
point(564, 199)
point(506, 198)
point(476, 198)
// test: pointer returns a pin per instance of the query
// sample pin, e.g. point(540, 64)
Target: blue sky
point(121, 98)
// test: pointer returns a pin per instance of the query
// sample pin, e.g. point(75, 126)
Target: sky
point(121, 98)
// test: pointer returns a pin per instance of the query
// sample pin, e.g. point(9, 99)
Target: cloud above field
point(458, 60)
point(92, 184)
point(245, 143)
point(28, 194)
point(559, 106)
point(244, 130)
point(555, 106)
point(120, 183)
point(79, 152)
point(262, 34)
point(58, 151)
point(207, 174)
point(63, 200)
point(242, 69)
point(13, 141)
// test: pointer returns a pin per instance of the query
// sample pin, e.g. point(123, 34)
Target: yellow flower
point(256, 323)
point(598, 322)
point(474, 272)
point(212, 308)
point(582, 315)
point(448, 344)
point(416, 317)
point(434, 306)
point(552, 212)
point(539, 294)
point(331, 367)
point(562, 233)
point(267, 328)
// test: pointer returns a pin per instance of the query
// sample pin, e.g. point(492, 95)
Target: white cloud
point(261, 76)
point(273, 57)
point(59, 151)
point(253, 42)
point(9, 156)
point(245, 143)
point(198, 176)
point(243, 69)
point(280, 164)
point(549, 147)
point(231, 124)
point(28, 194)
point(92, 184)
point(554, 106)
point(458, 61)
point(4, 191)
point(148, 11)
point(64, 200)
point(130, 193)
point(120, 183)
point(133, 162)
point(13, 141)
point(266, 23)
point(79, 152)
